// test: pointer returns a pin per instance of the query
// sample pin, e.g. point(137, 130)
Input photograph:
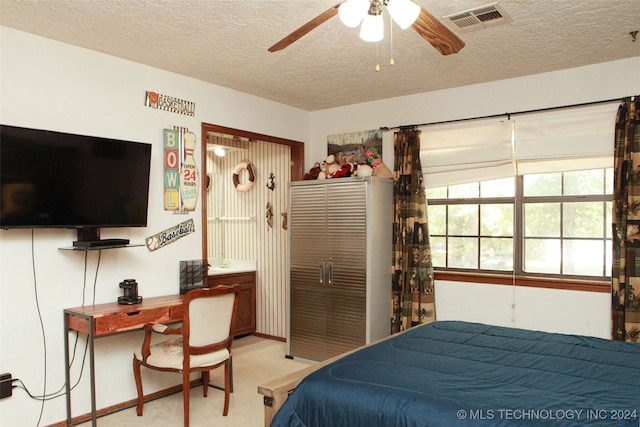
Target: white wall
point(534, 308)
point(50, 85)
point(550, 310)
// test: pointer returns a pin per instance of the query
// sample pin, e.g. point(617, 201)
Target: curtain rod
point(508, 115)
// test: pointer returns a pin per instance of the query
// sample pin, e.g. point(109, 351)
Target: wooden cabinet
point(246, 314)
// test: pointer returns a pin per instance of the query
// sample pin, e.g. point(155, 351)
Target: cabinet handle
point(322, 273)
point(330, 273)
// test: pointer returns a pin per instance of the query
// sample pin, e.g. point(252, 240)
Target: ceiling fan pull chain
point(377, 56)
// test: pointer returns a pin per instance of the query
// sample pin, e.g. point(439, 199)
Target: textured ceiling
point(225, 42)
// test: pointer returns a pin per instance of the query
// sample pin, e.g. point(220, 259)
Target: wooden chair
point(205, 337)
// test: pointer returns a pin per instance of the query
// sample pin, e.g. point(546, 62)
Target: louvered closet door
point(347, 261)
point(308, 233)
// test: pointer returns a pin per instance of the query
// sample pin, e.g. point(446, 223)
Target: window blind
point(564, 140)
point(455, 153)
point(547, 141)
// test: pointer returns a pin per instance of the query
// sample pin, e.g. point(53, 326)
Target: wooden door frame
point(297, 165)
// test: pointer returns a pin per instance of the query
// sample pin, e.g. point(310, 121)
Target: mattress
point(454, 373)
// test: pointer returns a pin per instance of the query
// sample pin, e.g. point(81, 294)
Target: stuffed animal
point(364, 170)
point(379, 168)
point(344, 171)
point(313, 172)
point(332, 166)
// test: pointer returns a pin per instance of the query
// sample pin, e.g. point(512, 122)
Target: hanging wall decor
point(180, 170)
point(350, 147)
point(170, 235)
point(242, 168)
point(271, 185)
point(169, 103)
point(172, 162)
point(189, 174)
point(269, 214)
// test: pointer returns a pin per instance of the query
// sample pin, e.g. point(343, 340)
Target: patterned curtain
point(625, 276)
point(413, 299)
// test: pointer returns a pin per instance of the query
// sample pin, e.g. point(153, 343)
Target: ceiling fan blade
point(306, 28)
point(436, 33)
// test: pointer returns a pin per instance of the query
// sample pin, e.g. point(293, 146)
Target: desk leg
point(92, 366)
point(67, 376)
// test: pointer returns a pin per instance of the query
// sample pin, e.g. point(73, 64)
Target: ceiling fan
point(425, 24)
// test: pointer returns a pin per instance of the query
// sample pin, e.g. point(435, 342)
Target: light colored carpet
point(255, 361)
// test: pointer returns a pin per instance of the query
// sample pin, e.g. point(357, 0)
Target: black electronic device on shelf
point(100, 243)
point(130, 296)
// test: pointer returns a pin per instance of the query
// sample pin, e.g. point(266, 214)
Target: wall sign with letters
point(180, 170)
point(170, 235)
point(169, 103)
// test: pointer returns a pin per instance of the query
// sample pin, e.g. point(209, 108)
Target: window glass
point(583, 219)
point(496, 220)
point(542, 256)
point(496, 254)
point(583, 183)
point(438, 251)
point(437, 193)
point(546, 184)
point(462, 252)
point(464, 191)
point(609, 181)
point(463, 220)
point(608, 222)
point(582, 257)
point(542, 219)
point(504, 187)
point(437, 215)
point(608, 256)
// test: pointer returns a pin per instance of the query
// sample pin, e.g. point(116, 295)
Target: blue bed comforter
point(459, 373)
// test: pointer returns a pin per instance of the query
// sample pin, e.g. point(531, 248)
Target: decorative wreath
point(243, 165)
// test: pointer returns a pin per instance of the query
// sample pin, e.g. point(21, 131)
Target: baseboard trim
point(270, 337)
point(127, 404)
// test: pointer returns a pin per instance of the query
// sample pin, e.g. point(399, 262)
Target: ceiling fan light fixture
point(352, 12)
point(372, 28)
point(403, 12)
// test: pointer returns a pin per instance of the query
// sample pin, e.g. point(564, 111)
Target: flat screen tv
point(60, 180)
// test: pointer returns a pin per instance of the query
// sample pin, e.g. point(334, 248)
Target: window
point(551, 224)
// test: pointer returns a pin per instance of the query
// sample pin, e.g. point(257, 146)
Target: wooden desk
point(111, 318)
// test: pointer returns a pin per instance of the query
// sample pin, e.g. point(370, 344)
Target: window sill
point(535, 282)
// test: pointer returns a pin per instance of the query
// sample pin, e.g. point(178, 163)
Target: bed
point(452, 373)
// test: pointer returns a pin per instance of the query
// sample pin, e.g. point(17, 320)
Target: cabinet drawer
point(136, 319)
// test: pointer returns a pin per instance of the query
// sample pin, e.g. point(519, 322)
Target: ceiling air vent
point(479, 17)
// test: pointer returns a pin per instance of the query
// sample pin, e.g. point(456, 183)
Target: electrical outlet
point(6, 389)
